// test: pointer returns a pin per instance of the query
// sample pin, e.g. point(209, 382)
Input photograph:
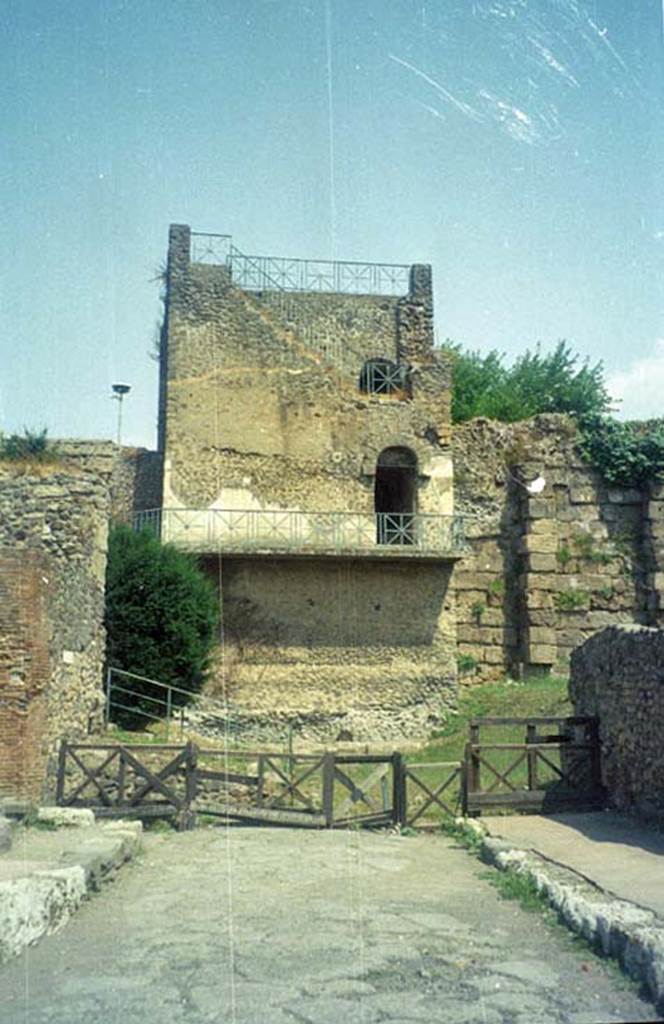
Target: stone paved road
point(276, 926)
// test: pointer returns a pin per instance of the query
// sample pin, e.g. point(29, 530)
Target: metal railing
point(211, 249)
point(145, 698)
point(383, 377)
point(295, 275)
point(276, 530)
point(260, 273)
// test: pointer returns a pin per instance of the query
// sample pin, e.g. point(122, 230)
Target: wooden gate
point(128, 781)
point(326, 790)
point(553, 770)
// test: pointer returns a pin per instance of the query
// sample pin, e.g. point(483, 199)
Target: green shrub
point(497, 587)
point(477, 609)
point(161, 619)
point(31, 446)
point(466, 663)
point(625, 454)
point(571, 600)
point(535, 383)
point(563, 555)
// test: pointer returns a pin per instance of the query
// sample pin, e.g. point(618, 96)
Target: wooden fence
point(558, 769)
point(328, 790)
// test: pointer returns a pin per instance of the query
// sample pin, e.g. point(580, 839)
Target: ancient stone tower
point(305, 429)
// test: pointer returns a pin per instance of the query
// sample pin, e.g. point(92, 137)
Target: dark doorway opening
point(395, 496)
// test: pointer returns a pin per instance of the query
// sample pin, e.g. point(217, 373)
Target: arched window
point(395, 496)
point(383, 377)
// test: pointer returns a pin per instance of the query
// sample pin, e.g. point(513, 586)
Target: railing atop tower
point(279, 273)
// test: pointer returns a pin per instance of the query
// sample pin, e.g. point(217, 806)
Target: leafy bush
point(626, 454)
point(30, 446)
point(535, 383)
point(161, 619)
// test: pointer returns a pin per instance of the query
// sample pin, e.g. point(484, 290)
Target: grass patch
point(540, 696)
point(159, 825)
point(464, 834)
point(519, 886)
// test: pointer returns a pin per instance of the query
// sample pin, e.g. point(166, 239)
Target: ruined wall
point(53, 532)
point(261, 409)
point(618, 675)
point(134, 474)
point(545, 571)
point(363, 648)
point(254, 416)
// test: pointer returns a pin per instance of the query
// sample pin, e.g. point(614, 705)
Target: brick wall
point(53, 533)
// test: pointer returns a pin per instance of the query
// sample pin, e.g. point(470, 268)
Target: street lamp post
point(119, 391)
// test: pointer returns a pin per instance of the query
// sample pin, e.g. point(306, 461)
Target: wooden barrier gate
point(551, 771)
point(328, 790)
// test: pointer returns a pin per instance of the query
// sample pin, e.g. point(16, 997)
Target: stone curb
point(625, 931)
point(42, 901)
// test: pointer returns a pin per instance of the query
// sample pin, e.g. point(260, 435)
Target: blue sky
point(517, 145)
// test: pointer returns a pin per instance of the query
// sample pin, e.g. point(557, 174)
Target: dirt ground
point(274, 926)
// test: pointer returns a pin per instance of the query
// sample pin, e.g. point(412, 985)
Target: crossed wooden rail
point(327, 790)
point(573, 782)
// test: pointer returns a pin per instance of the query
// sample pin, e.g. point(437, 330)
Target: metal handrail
point(285, 273)
point(274, 529)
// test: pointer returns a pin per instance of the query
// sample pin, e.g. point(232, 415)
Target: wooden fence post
point(261, 780)
point(474, 780)
point(531, 737)
point(188, 817)
point(464, 783)
point(60, 781)
point(399, 799)
point(328, 789)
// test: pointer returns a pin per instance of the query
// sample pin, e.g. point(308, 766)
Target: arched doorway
point(395, 496)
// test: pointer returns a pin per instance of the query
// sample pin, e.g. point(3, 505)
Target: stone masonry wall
point(261, 409)
point(253, 417)
point(53, 531)
point(135, 474)
point(336, 646)
point(618, 675)
point(545, 571)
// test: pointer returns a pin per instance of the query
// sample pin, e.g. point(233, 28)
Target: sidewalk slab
point(615, 851)
point(601, 871)
point(46, 875)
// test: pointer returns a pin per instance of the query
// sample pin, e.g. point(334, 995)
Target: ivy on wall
point(625, 454)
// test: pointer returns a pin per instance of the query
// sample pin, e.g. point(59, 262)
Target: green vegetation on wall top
point(625, 454)
point(535, 383)
point(31, 446)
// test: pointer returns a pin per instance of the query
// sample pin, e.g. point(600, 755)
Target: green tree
point(535, 383)
point(162, 618)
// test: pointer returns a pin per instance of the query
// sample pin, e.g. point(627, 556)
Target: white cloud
point(640, 388)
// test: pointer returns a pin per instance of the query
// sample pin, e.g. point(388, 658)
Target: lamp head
point(121, 389)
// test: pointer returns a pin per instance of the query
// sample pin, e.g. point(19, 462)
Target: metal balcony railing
point(264, 273)
point(238, 530)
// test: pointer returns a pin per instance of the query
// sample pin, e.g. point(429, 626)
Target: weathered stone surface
point(542, 563)
point(5, 834)
point(66, 817)
point(346, 644)
point(631, 934)
point(37, 904)
point(542, 655)
point(53, 536)
point(540, 543)
point(617, 675)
